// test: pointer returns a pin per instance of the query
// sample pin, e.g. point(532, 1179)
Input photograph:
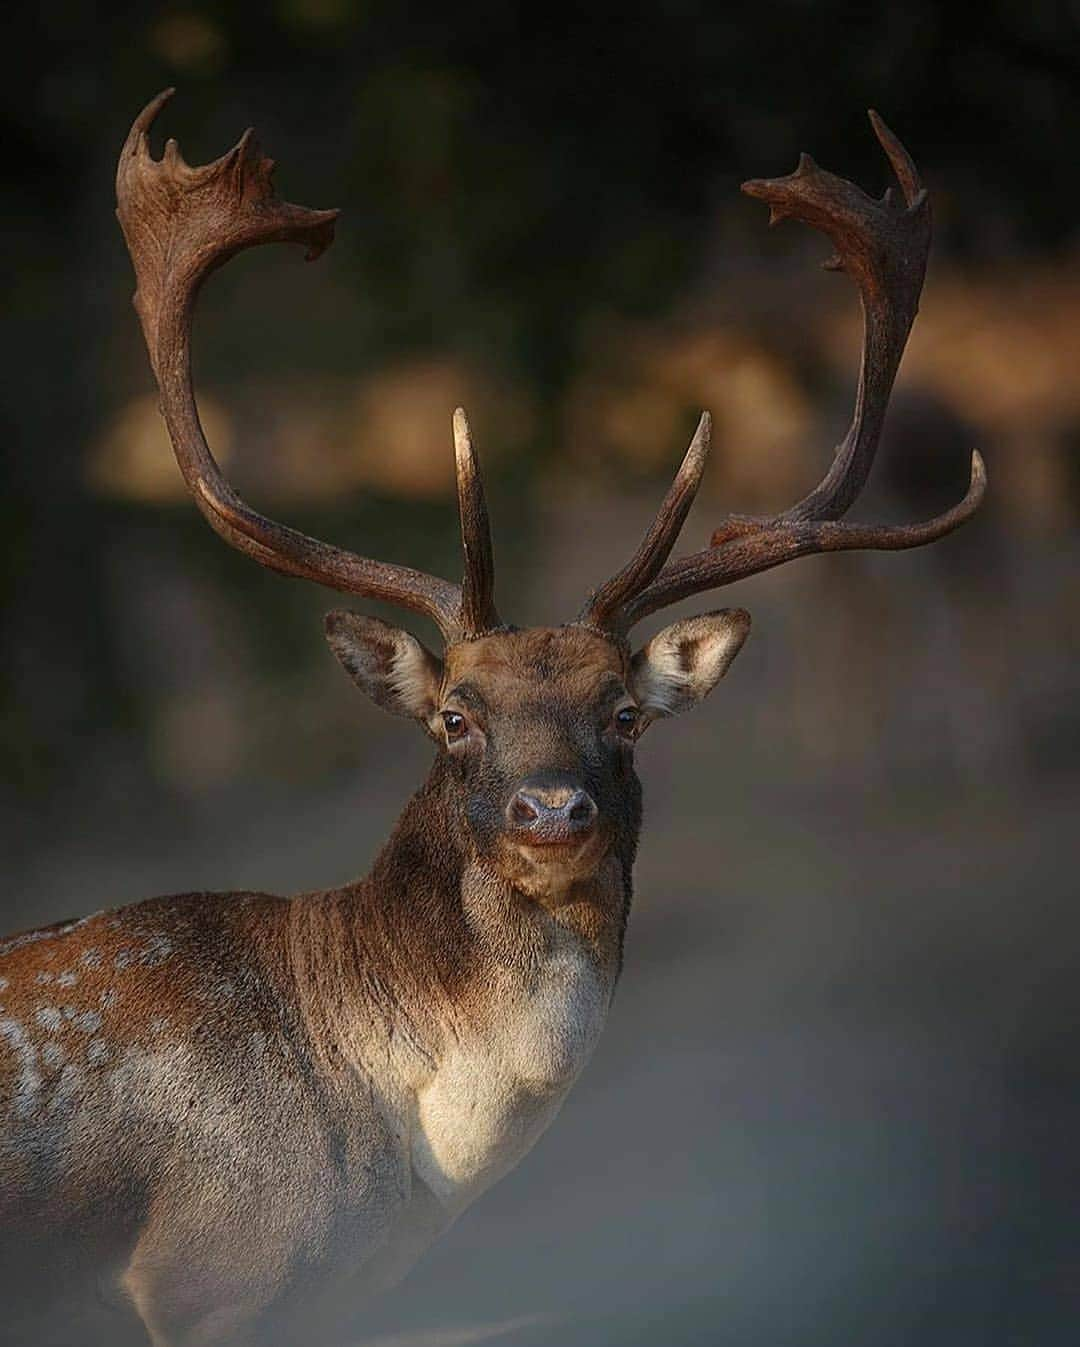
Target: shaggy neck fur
point(422, 949)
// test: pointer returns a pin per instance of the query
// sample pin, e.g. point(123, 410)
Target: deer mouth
point(575, 851)
point(555, 840)
point(551, 850)
point(546, 869)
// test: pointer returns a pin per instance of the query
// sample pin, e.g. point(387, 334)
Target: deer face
point(538, 727)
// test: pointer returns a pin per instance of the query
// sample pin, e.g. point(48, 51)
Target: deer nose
point(551, 811)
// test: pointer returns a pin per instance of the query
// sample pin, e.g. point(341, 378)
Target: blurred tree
point(509, 173)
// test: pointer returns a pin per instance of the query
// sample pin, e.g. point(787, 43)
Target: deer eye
point(626, 718)
point(455, 724)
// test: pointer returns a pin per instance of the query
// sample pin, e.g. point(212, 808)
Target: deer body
point(228, 1108)
point(335, 1083)
point(337, 1075)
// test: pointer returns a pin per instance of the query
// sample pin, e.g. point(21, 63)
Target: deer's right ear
point(392, 667)
point(683, 663)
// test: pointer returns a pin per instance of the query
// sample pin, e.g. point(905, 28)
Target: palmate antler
point(883, 245)
point(181, 223)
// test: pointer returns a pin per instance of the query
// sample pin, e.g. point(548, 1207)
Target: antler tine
point(778, 541)
point(883, 245)
point(603, 606)
point(180, 223)
point(478, 612)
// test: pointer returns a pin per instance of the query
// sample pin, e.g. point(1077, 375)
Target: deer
point(227, 1109)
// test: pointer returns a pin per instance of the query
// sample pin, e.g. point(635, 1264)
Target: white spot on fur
point(159, 1023)
point(43, 979)
point(123, 959)
point(4, 984)
point(98, 1052)
point(34, 937)
point(156, 951)
point(109, 999)
point(53, 1053)
point(29, 1082)
point(90, 958)
point(88, 1021)
point(49, 1017)
point(68, 1087)
point(67, 978)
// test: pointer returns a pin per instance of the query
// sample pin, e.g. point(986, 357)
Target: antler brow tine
point(180, 223)
point(883, 245)
point(478, 586)
point(643, 567)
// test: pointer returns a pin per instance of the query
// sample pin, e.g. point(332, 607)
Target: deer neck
point(433, 947)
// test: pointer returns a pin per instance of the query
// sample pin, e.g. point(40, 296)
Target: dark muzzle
point(550, 809)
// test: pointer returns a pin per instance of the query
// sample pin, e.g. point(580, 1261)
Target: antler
point(883, 245)
point(180, 223)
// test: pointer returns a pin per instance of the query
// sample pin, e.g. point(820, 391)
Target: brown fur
point(172, 1067)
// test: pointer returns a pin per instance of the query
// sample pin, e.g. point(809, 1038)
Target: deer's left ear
point(392, 667)
point(684, 662)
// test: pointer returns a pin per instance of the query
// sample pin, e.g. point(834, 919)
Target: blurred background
point(837, 1099)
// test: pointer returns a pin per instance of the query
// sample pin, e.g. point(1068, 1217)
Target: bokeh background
point(837, 1100)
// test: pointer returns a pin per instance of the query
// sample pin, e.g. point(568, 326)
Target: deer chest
point(496, 1090)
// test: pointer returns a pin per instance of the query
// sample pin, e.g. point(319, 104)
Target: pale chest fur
point(500, 1083)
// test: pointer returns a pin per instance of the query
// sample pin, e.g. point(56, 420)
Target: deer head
point(535, 729)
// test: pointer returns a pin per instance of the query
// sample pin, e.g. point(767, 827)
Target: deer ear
point(392, 667)
point(684, 662)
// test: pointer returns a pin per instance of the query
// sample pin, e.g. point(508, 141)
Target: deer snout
point(546, 811)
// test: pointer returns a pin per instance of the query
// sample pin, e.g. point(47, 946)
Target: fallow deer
point(234, 1106)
